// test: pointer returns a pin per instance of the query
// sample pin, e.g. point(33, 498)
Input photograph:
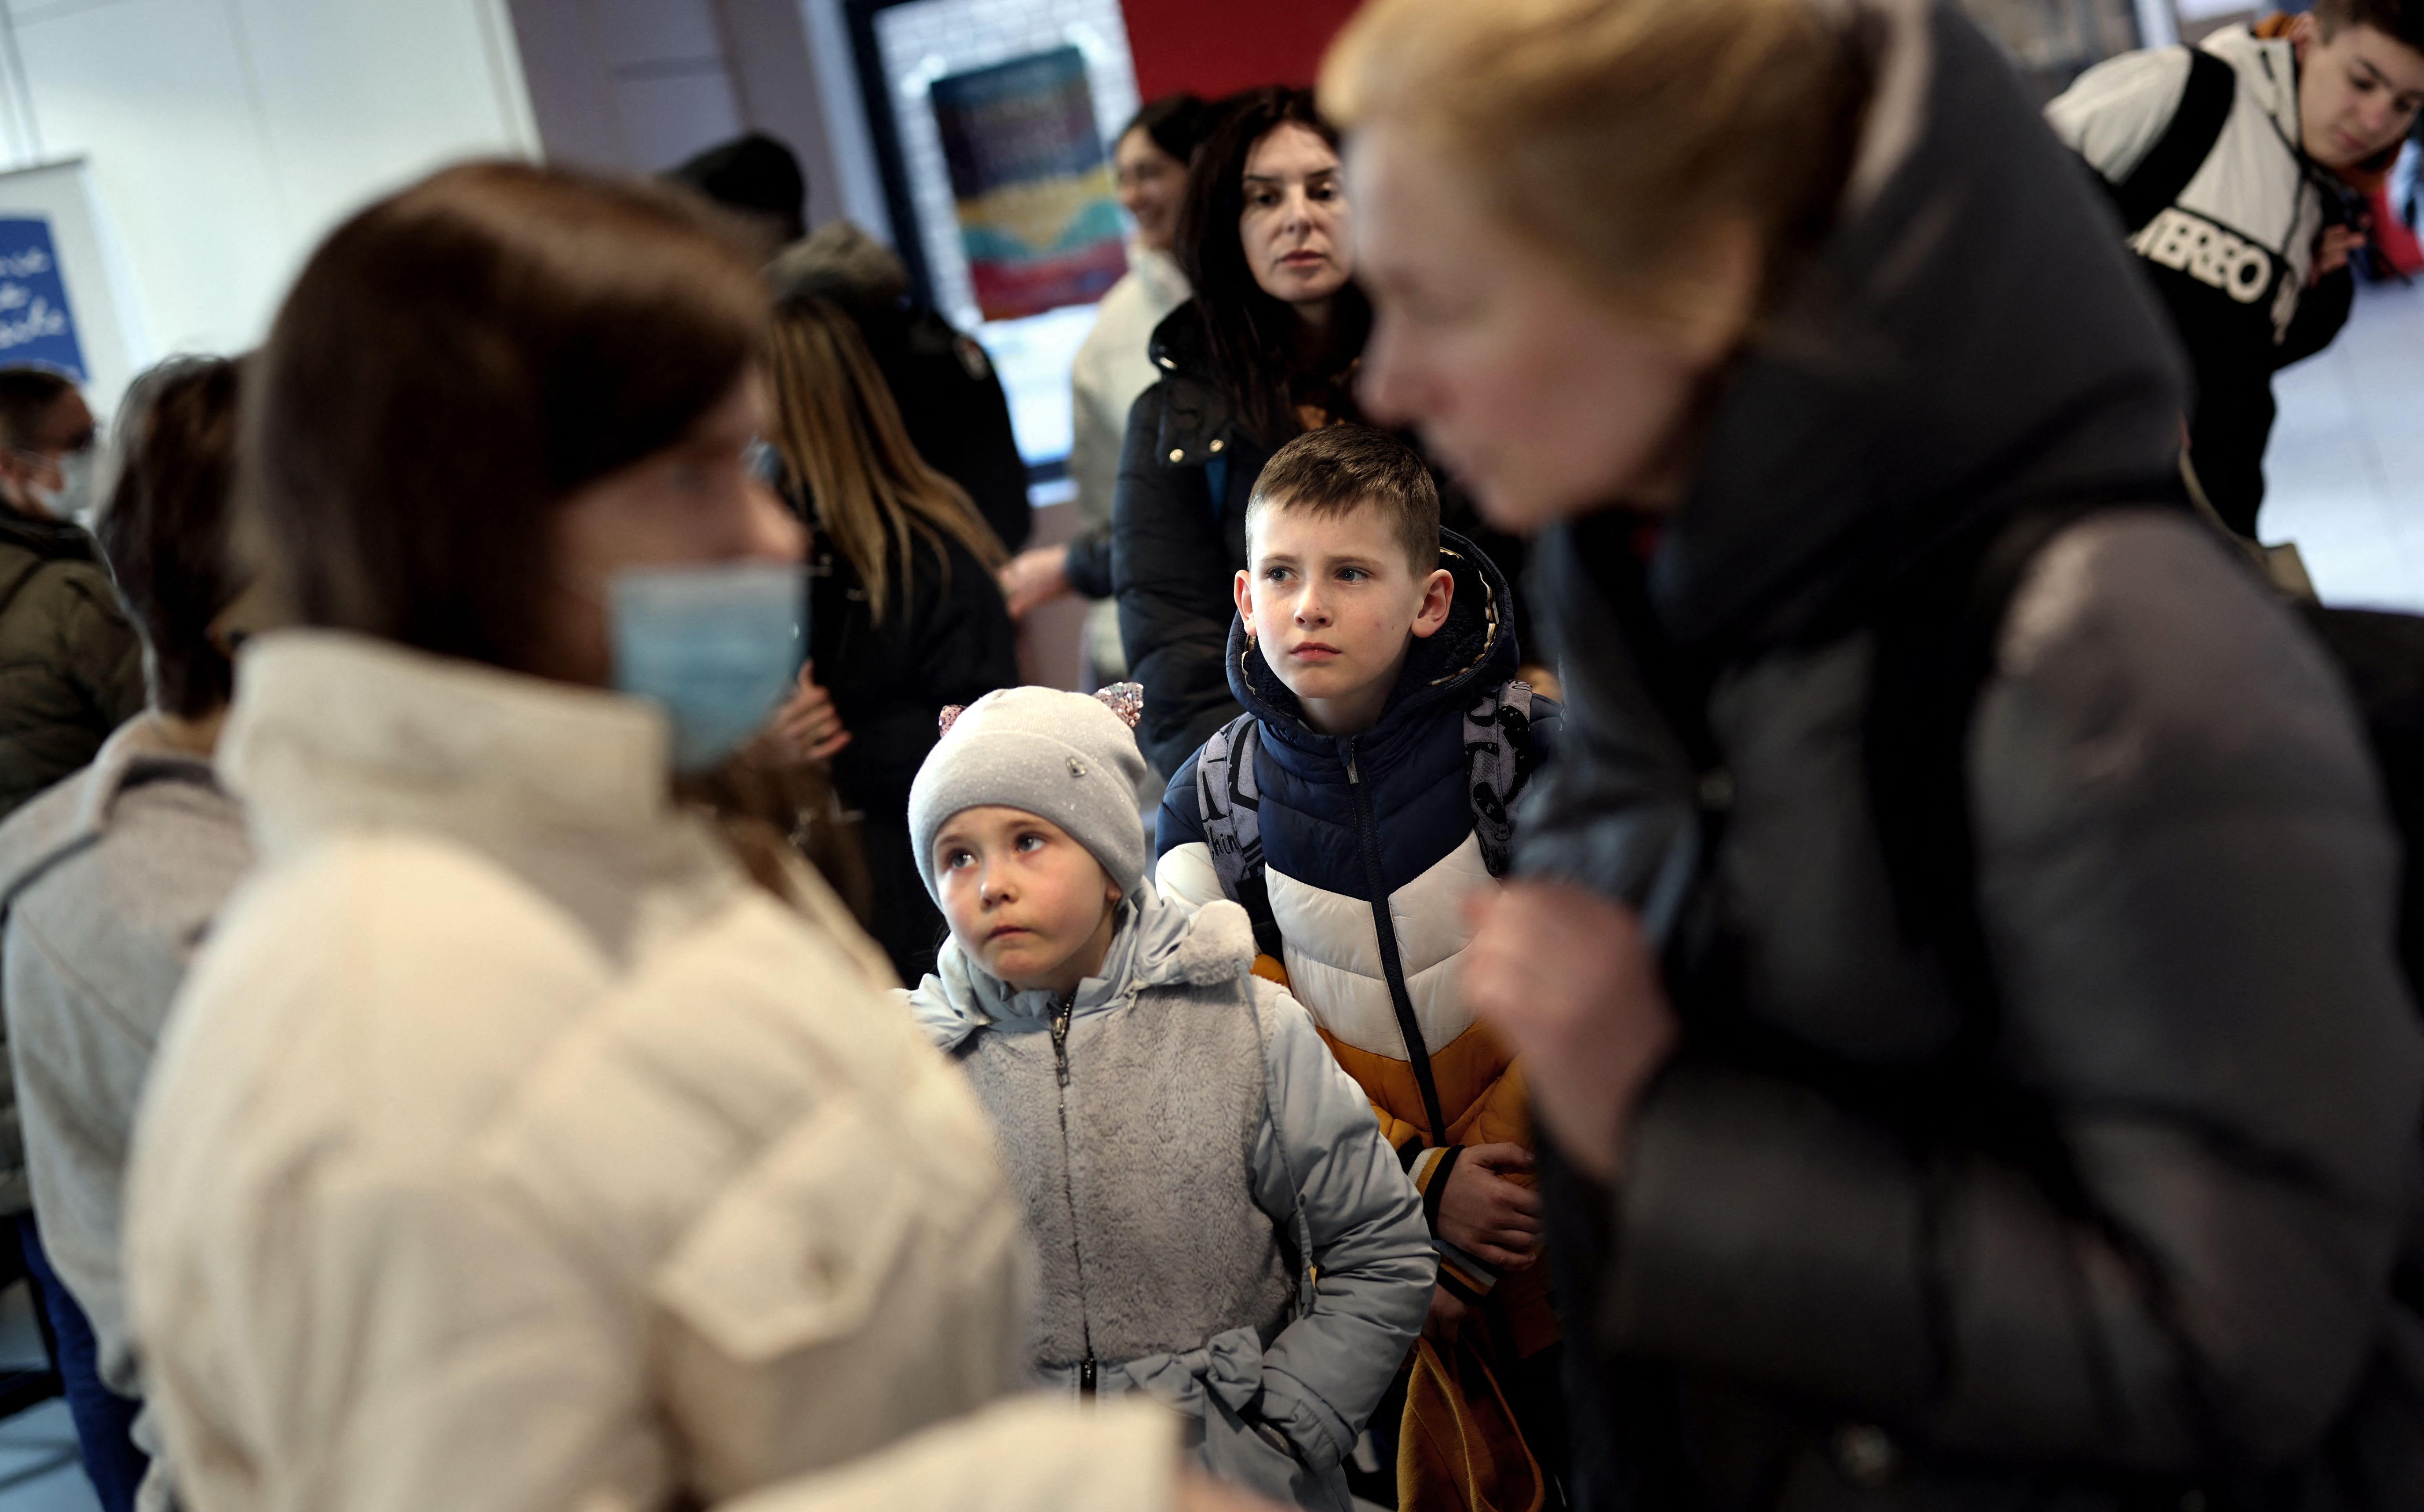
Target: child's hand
point(1571, 980)
point(1486, 1215)
point(808, 727)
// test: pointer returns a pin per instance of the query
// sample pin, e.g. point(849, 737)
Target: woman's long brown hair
point(535, 330)
point(1252, 335)
point(841, 440)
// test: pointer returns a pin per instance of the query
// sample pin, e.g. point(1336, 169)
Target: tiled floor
point(39, 1469)
point(2345, 473)
point(39, 1447)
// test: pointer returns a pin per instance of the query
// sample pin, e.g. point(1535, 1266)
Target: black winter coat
point(2134, 1231)
point(952, 643)
point(950, 398)
point(1178, 540)
point(953, 407)
point(1089, 563)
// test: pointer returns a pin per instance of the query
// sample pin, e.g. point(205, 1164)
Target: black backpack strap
point(1231, 813)
point(1498, 763)
point(2185, 143)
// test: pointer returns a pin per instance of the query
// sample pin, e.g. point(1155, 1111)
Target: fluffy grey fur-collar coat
point(1202, 1162)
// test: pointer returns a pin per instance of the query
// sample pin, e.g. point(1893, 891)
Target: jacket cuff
point(1322, 1438)
point(1088, 565)
point(1467, 1278)
point(1430, 1175)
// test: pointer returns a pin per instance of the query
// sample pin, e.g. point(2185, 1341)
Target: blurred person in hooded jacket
point(71, 667)
point(2059, 1149)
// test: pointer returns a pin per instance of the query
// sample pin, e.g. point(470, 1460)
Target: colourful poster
point(1033, 188)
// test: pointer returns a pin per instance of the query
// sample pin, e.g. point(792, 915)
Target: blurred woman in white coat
point(513, 1146)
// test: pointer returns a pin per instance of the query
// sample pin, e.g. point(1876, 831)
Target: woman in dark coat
point(1955, 964)
point(1264, 351)
point(904, 614)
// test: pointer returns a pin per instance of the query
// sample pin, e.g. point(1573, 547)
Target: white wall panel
point(358, 96)
point(668, 116)
point(638, 85)
point(653, 31)
point(226, 136)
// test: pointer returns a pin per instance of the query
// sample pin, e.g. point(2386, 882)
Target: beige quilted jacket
point(508, 1152)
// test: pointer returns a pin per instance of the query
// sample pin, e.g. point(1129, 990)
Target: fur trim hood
point(1157, 944)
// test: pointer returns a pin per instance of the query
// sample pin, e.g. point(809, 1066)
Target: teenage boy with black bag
point(2224, 161)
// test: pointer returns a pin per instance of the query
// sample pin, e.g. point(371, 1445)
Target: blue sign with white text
point(36, 328)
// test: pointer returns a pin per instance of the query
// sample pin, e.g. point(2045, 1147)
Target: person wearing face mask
point(511, 1147)
point(46, 445)
point(70, 666)
point(1953, 956)
point(2236, 168)
point(1113, 368)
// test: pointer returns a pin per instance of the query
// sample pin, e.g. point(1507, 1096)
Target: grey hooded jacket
point(109, 883)
point(2136, 1233)
point(1218, 1221)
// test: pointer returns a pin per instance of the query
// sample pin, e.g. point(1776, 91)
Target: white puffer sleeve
point(1186, 876)
point(2114, 113)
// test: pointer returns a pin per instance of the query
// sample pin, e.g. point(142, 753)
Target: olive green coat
point(71, 667)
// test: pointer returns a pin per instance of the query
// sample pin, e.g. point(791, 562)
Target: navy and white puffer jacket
point(1386, 813)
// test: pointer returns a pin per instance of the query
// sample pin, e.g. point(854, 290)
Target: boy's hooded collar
point(1154, 945)
point(1474, 651)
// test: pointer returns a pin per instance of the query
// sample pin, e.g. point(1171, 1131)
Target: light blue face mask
point(718, 646)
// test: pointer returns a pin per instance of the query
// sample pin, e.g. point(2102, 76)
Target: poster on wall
point(1031, 185)
point(37, 328)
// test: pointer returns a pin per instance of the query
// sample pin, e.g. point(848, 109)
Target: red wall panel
point(1213, 47)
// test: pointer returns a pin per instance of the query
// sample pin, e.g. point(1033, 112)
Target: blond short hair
point(1618, 134)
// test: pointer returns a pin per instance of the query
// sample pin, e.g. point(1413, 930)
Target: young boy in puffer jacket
point(1218, 1222)
point(1362, 799)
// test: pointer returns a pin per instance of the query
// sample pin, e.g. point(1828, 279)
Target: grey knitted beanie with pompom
point(1068, 757)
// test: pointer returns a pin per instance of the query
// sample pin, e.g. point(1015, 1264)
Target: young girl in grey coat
point(1218, 1221)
